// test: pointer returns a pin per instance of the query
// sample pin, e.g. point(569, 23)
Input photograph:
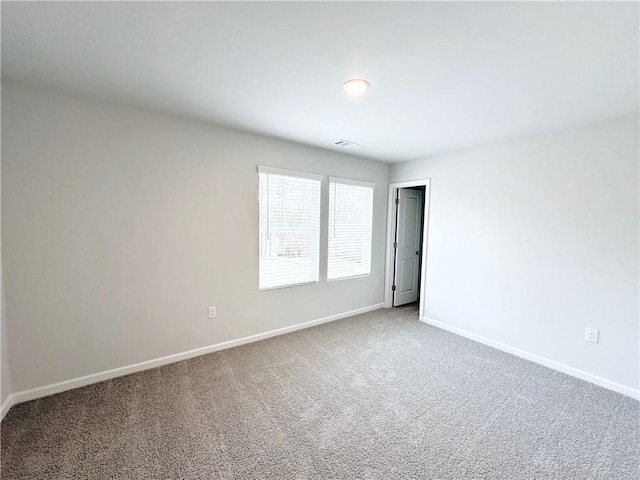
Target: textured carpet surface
point(377, 396)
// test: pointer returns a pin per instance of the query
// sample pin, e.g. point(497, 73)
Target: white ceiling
point(443, 75)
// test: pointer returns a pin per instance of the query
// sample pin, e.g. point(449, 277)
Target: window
point(350, 220)
point(289, 228)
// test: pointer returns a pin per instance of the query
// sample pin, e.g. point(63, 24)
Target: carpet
point(375, 396)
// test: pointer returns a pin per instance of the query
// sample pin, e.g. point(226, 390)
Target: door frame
point(391, 226)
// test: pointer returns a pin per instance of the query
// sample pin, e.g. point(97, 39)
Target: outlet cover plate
point(592, 335)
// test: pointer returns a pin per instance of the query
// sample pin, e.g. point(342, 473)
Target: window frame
point(357, 183)
point(294, 174)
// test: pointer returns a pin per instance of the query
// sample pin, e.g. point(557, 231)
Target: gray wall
point(120, 227)
point(531, 241)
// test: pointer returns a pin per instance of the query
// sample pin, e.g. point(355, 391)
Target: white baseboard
point(6, 405)
point(32, 394)
point(561, 367)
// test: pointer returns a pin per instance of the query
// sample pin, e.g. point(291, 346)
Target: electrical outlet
point(591, 335)
point(211, 312)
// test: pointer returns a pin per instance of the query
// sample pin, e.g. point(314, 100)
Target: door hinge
point(397, 201)
point(395, 244)
point(393, 288)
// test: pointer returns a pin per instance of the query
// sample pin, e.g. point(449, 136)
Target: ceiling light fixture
point(357, 86)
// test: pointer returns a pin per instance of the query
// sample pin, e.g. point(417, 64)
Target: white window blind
point(289, 228)
point(350, 222)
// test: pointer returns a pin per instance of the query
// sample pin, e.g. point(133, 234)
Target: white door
point(407, 246)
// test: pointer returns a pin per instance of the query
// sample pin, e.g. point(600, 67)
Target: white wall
point(531, 241)
point(120, 227)
point(5, 371)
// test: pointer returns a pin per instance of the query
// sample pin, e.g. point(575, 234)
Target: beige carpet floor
point(377, 396)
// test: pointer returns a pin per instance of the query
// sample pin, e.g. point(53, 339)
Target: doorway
point(407, 228)
point(407, 246)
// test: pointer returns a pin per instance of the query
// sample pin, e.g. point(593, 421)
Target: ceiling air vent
point(345, 144)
